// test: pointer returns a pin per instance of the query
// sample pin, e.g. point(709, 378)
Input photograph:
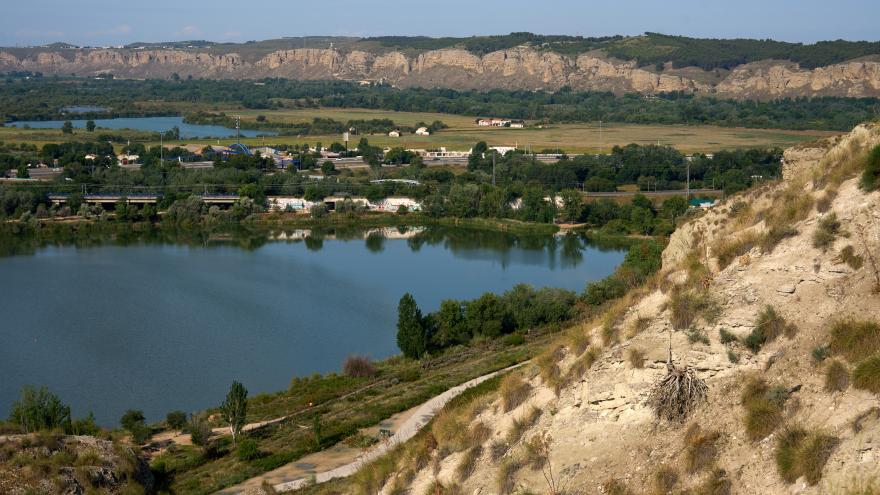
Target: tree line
point(44, 99)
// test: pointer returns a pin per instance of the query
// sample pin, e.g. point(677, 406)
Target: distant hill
point(650, 63)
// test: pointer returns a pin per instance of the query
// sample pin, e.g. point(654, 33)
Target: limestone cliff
point(515, 68)
point(579, 420)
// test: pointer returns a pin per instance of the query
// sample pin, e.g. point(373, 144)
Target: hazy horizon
point(103, 22)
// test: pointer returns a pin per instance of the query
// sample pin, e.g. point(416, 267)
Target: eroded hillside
point(521, 67)
point(772, 298)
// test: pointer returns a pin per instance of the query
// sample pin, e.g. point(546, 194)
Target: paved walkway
point(408, 429)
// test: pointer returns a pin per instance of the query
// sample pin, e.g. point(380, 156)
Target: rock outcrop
point(604, 433)
point(515, 68)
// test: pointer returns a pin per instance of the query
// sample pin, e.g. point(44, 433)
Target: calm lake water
point(160, 325)
point(152, 124)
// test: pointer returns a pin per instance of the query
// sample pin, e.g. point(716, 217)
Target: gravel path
point(407, 430)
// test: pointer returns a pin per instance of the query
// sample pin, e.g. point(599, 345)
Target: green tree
point(131, 418)
point(673, 208)
point(450, 325)
point(234, 408)
point(90, 125)
point(328, 168)
point(199, 430)
point(176, 419)
point(572, 205)
point(411, 335)
point(39, 410)
point(67, 127)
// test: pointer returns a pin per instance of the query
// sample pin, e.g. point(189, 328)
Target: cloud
point(117, 30)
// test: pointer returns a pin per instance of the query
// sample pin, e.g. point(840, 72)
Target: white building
point(393, 204)
point(394, 134)
point(422, 131)
point(503, 150)
point(282, 203)
point(517, 124)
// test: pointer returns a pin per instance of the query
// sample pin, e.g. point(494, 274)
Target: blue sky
point(111, 22)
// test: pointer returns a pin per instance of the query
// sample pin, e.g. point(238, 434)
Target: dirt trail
point(346, 461)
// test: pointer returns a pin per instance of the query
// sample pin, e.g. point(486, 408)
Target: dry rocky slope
point(48, 463)
point(600, 425)
point(515, 68)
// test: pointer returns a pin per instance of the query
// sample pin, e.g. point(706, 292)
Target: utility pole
point(688, 191)
point(161, 149)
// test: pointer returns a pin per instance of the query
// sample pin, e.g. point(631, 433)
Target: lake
point(160, 325)
point(150, 124)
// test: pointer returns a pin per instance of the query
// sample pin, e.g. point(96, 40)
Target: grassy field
point(463, 133)
point(572, 138)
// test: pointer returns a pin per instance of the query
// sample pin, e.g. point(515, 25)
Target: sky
point(115, 22)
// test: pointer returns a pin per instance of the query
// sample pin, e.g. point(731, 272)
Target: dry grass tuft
point(639, 325)
point(727, 249)
point(836, 377)
point(866, 376)
point(801, 453)
point(823, 204)
point(636, 358)
point(677, 394)
point(764, 407)
point(521, 424)
point(616, 487)
point(514, 390)
point(686, 306)
point(717, 484)
point(548, 364)
point(506, 479)
point(468, 462)
point(664, 480)
point(701, 449)
point(854, 339)
point(578, 341)
point(827, 229)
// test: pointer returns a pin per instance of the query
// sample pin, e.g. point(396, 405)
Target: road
point(408, 429)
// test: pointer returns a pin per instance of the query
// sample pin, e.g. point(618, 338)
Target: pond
point(161, 324)
point(149, 124)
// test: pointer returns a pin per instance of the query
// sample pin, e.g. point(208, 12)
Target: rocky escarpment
point(580, 420)
point(516, 68)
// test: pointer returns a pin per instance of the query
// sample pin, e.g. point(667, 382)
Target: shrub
point(823, 204)
point(836, 377)
point(820, 353)
point(768, 326)
point(578, 341)
point(732, 357)
point(141, 433)
point(763, 406)
point(687, 305)
point(701, 448)
point(131, 418)
point(870, 180)
point(610, 333)
point(514, 391)
point(359, 367)
point(199, 430)
point(247, 450)
point(616, 487)
point(513, 339)
point(826, 231)
point(775, 235)
point(726, 337)
point(636, 358)
point(854, 339)
point(640, 324)
point(695, 336)
point(39, 410)
point(175, 420)
point(866, 376)
point(848, 255)
point(799, 453)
